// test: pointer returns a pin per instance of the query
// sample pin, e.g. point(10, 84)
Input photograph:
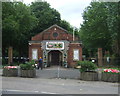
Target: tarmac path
point(47, 82)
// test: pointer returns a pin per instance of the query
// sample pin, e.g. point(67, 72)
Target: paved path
point(56, 86)
point(48, 83)
point(58, 72)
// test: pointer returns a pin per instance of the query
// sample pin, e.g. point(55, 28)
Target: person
point(40, 63)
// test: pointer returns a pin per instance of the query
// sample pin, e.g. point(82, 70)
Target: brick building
point(56, 46)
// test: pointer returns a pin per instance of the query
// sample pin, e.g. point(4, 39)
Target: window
point(76, 54)
point(34, 54)
point(55, 34)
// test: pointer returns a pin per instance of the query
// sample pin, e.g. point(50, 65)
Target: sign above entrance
point(54, 45)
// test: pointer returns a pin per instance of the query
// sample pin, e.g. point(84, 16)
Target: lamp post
point(74, 34)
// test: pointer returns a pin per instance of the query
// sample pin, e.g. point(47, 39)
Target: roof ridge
point(51, 27)
point(56, 26)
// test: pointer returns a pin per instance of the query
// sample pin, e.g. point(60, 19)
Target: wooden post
point(100, 57)
point(10, 55)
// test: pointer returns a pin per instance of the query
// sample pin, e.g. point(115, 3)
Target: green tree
point(20, 22)
point(46, 15)
point(9, 25)
point(94, 30)
point(27, 21)
point(101, 26)
point(113, 22)
point(66, 25)
point(17, 21)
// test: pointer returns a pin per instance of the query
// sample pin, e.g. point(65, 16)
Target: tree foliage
point(46, 15)
point(20, 22)
point(100, 26)
point(66, 25)
point(17, 21)
point(113, 22)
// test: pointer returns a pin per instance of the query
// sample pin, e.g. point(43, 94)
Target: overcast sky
point(70, 10)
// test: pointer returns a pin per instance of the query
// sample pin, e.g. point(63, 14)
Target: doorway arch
point(55, 58)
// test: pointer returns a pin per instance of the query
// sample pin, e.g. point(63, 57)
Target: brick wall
point(62, 35)
point(35, 46)
point(73, 46)
point(48, 35)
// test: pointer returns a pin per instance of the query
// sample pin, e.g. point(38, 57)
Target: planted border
point(110, 75)
point(10, 71)
point(87, 71)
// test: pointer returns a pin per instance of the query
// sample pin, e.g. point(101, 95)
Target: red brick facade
point(56, 34)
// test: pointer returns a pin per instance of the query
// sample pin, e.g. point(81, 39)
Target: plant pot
point(10, 72)
point(110, 77)
point(89, 76)
point(28, 73)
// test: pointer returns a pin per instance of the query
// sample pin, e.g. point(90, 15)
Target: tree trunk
point(100, 57)
point(10, 55)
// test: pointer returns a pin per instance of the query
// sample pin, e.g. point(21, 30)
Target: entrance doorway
point(54, 58)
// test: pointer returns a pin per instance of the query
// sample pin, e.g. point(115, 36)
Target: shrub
point(28, 66)
point(87, 66)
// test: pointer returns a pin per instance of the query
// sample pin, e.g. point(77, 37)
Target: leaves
point(17, 23)
point(21, 22)
point(87, 66)
point(28, 66)
point(46, 16)
point(100, 26)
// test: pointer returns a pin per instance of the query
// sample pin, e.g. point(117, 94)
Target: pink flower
point(10, 67)
point(111, 70)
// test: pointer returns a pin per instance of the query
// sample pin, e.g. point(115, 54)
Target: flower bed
point(110, 75)
point(28, 69)
point(111, 70)
point(87, 71)
point(10, 71)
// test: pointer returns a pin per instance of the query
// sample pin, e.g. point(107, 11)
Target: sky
point(70, 10)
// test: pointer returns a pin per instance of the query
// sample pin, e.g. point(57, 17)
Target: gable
point(54, 32)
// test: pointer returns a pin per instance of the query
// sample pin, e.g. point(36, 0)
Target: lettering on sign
point(55, 45)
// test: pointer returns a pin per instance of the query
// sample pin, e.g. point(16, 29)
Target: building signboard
point(55, 45)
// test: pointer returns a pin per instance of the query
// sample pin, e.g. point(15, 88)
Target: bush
point(87, 66)
point(28, 66)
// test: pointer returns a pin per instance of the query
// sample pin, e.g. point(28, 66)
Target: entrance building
point(56, 46)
